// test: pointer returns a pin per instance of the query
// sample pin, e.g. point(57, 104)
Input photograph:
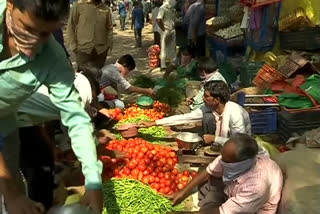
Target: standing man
point(30, 57)
point(156, 28)
point(90, 32)
point(196, 20)
point(137, 22)
point(166, 20)
point(123, 14)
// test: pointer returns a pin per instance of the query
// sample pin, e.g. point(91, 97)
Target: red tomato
point(160, 163)
point(162, 185)
point(186, 173)
point(185, 178)
point(145, 180)
point(144, 150)
point(175, 160)
point(193, 174)
point(180, 175)
point(161, 190)
point(151, 179)
point(157, 179)
point(167, 176)
point(180, 186)
point(154, 174)
point(157, 186)
point(161, 175)
point(167, 190)
point(127, 171)
point(135, 172)
point(172, 154)
point(175, 172)
point(146, 172)
point(142, 167)
point(132, 165)
point(168, 183)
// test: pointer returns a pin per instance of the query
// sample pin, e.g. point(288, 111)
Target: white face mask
point(100, 97)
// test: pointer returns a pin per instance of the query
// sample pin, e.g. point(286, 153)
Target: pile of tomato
point(115, 113)
point(151, 164)
point(158, 111)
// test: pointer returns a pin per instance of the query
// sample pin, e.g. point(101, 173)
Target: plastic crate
point(308, 39)
point(264, 122)
point(266, 76)
point(248, 72)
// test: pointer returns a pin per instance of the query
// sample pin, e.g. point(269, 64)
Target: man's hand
point(208, 138)
point(94, 200)
point(177, 197)
point(105, 112)
point(119, 154)
point(144, 124)
point(22, 205)
point(150, 91)
point(104, 136)
point(190, 101)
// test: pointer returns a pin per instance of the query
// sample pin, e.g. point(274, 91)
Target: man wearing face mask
point(238, 181)
point(29, 58)
point(166, 21)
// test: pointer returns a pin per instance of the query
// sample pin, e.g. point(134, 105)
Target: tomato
point(157, 179)
point(131, 165)
point(140, 155)
point(161, 190)
point(144, 150)
point(167, 176)
point(145, 180)
point(154, 174)
point(159, 163)
point(114, 160)
point(180, 186)
point(193, 174)
point(140, 176)
point(142, 167)
point(127, 171)
point(135, 172)
point(170, 162)
point(167, 190)
point(162, 185)
point(186, 173)
point(161, 175)
point(185, 179)
point(175, 171)
point(168, 183)
point(180, 175)
point(166, 168)
point(151, 179)
point(157, 186)
point(172, 154)
point(175, 160)
point(146, 172)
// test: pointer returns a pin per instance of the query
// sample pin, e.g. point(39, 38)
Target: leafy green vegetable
point(152, 134)
point(127, 196)
point(170, 95)
point(144, 82)
point(135, 120)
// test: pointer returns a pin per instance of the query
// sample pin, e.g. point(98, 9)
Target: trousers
point(168, 48)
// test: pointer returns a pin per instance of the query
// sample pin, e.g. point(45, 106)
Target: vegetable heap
point(134, 120)
point(151, 164)
point(143, 81)
point(124, 196)
point(153, 134)
point(115, 113)
point(158, 111)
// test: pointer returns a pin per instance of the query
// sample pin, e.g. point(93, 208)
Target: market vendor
point(114, 75)
point(238, 181)
point(230, 117)
point(29, 58)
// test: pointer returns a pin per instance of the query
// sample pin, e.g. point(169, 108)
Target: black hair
point(93, 81)
point(218, 88)
point(247, 147)
point(128, 61)
point(47, 10)
point(91, 68)
point(207, 65)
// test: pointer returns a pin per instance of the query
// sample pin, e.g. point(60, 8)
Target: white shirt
point(38, 108)
point(234, 119)
point(167, 15)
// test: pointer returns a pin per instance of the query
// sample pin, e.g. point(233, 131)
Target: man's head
point(239, 147)
point(92, 69)
point(33, 21)
point(216, 93)
point(238, 156)
point(206, 66)
point(128, 63)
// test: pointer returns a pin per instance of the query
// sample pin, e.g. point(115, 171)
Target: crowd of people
point(40, 91)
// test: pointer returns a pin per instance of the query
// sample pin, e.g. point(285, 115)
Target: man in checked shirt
point(238, 181)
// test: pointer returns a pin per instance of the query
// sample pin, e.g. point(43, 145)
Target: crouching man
point(238, 181)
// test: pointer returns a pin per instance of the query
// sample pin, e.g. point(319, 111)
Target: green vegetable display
point(170, 95)
point(135, 120)
point(143, 82)
point(127, 196)
point(153, 134)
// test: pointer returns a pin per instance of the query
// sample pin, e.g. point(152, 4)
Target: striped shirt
point(257, 191)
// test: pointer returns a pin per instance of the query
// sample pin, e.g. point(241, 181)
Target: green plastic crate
point(248, 72)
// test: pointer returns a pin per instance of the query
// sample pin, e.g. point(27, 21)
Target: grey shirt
point(196, 16)
point(111, 76)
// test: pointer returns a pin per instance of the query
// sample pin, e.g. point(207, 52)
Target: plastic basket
point(266, 76)
point(264, 122)
point(308, 39)
point(248, 72)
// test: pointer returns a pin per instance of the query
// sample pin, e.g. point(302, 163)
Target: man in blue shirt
point(123, 14)
point(137, 22)
point(196, 20)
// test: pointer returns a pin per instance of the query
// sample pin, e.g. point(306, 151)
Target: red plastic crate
point(266, 76)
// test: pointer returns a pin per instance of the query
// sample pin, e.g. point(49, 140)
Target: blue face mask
point(231, 171)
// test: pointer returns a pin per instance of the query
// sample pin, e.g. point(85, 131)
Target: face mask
point(231, 171)
point(100, 97)
point(26, 42)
